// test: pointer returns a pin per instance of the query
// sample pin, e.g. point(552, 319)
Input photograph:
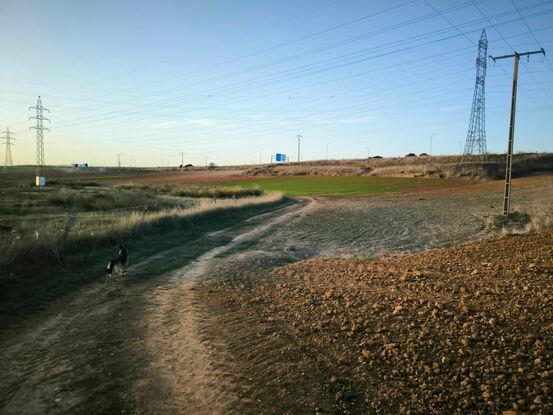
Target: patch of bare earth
point(455, 330)
point(184, 373)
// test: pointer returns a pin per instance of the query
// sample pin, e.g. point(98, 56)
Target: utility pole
point(260, 150)
point(368, 153)
point(509, 161)
point(7, 141)
point(119, 161)
point(327, 144)
point(206, 153)
point(40, 178)
point(299, 137)
point(182, 161)
point(430, 151)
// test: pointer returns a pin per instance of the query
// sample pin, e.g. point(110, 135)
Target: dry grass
point(51, 245)
point(136, 220)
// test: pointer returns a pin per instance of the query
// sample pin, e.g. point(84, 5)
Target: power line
point(341, 43)
point(468, 38)
point(269, 49)
point(112, 115)
point(531, 33)
point(513, 49)
point(358, 95)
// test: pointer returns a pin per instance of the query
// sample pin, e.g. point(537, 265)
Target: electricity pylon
point(39, 136)
point(7, 141)
point(476, 135)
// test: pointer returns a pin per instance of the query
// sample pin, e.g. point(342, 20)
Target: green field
point(335, 185)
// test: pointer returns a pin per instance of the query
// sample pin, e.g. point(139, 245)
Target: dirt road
point(156, 346)
point(124, 347)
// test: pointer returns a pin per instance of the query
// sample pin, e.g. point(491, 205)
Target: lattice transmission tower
point(39, 127)
point(8, 137)
point(476, 135)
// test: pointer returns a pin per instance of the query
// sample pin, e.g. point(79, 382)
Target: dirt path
point(124, 347)
point(187, 373)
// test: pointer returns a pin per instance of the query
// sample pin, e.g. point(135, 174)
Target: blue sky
point(236, 80)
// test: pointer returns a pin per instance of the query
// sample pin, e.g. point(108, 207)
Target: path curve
point(186, 372)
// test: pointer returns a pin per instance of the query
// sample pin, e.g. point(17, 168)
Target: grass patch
point(335, 185)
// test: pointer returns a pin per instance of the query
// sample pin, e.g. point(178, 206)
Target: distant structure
point(7, 141)
point(79, 166)
point(299, 137)
point(476, 135)
point(39, 117)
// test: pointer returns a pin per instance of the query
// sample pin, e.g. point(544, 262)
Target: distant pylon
point(7, 141)
point(39, 135)
point(476, 135)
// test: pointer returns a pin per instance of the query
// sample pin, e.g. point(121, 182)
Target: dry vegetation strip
point(458, 330)
point(31, 248)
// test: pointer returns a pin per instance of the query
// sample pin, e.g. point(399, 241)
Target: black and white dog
point(118, 265)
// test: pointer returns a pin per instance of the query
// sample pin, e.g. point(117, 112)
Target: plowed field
point(463, 329)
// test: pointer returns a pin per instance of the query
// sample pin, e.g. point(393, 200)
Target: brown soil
point(464, 329)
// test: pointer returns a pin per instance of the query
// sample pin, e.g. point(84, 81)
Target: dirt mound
point(466, 329)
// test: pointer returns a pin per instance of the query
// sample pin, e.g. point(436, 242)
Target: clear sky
point(236, 80)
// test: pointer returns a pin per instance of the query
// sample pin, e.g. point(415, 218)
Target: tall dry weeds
point(48, 247)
